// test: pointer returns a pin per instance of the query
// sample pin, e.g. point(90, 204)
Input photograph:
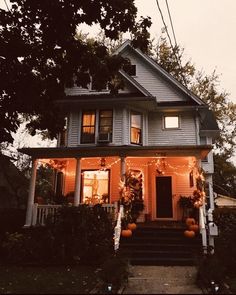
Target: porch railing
point(117, 230)
point(41, 212)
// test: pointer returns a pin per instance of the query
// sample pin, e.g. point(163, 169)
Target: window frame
point(141, 127)
point(99, 121)
point(82, 183)
point(91, 126)
point(171, 116)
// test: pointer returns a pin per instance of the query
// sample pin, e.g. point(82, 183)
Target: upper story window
point(105, 121)
point(130, 69)
point(171, 122)
point(136, 128)
point(97, 126)
point(88, 127)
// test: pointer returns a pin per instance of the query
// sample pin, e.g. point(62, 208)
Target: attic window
point(171, 122)
point(130, 69)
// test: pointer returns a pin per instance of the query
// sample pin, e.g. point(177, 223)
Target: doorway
point(164, 206)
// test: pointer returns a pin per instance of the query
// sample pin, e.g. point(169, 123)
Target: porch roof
point(200, 151)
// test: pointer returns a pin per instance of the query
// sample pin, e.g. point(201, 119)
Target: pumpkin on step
point(189, 233)
point(126, 233)
point(132, 226)
point(194, 227)
point(190, 221)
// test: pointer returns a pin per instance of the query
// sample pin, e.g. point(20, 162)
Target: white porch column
point(31, 193)
point(122, 168)
point(77, 182)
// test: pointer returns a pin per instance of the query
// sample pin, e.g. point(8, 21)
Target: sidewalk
point(162, 280)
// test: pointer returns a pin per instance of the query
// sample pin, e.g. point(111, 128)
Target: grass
point(47, 280)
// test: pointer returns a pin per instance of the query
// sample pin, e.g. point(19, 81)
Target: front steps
point(151, 244)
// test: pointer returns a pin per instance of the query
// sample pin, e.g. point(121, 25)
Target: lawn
point(48, 280)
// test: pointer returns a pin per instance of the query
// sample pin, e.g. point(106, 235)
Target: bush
point(115, 272)
point(84, 233)
point(11, 220)
point(225, 243)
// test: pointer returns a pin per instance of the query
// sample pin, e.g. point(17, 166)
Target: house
point(225, 201)
point(154, 127)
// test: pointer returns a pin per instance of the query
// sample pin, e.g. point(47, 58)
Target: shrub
point(114, 271)
point(225, 243)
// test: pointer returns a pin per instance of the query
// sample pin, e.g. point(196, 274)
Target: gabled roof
point(127, 45)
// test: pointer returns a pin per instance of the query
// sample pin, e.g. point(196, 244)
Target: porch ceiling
point(123, 151)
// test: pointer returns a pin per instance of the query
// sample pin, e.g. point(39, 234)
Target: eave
point(199, 151)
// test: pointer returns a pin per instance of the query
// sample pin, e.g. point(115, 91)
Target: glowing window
point(95, 187)
point(171, 122)
point(88, 127)
point(136, 128)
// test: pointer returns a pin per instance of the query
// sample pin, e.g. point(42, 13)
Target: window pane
point(95, 187)
point(106, 114)
point(88, 127)
point(135, 135)
point(136, 120)
point(172, 122)
point(105, 121)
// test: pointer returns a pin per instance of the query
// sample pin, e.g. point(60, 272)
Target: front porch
point(161, 183)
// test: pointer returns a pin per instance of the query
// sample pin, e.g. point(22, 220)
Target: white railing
point(202, 224)
point(41, 212)
point(117, 230)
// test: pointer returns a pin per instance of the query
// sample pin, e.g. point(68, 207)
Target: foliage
point(11, 220)
point(210, 268)
point(84, 233)
point(40, 55)
point(44, 180)
point(224, 178)
point(225, 218)
point(17, 279)
point(114, 271)
point(131, 196)
point(185, 202)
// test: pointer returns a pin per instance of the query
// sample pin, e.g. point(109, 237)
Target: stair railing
point(117, 229)
point(202, 223)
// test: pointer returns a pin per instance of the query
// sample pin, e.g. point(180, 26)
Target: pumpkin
point(194, 227)
point(189, 233)
point(126, 233)
point(132, 226)
point(189, 221)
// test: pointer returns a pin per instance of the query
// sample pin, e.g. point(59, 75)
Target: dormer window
point(130, 69)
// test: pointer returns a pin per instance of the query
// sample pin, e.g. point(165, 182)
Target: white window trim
point(171, 128)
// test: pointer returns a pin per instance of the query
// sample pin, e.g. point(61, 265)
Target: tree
point(40, 56)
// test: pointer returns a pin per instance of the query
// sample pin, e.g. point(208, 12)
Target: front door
point(164, 207)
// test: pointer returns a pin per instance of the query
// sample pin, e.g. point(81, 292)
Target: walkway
point(162, 280)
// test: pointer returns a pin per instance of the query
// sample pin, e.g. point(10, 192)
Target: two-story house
point(153, 127)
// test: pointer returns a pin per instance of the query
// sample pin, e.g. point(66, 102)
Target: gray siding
point(154, 83)
point(117, 126)
point(74, 129)
point(186, 135)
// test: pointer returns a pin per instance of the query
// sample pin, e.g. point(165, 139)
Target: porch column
point(122, 168)
point(77, 182)
point(31, 193)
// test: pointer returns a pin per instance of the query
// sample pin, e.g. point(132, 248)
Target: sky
point(206, 30)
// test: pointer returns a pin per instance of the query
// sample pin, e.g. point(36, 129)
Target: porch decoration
point(194, 227)
point(190, 221)
point(126, 233)
point(131, 198)
point(189, 233)
point(132, 226)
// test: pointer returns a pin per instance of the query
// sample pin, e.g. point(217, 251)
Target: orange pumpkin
point(189, 221)
point(194, 227)
point(126, 233)
point(132, 226)
point(189, 233)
